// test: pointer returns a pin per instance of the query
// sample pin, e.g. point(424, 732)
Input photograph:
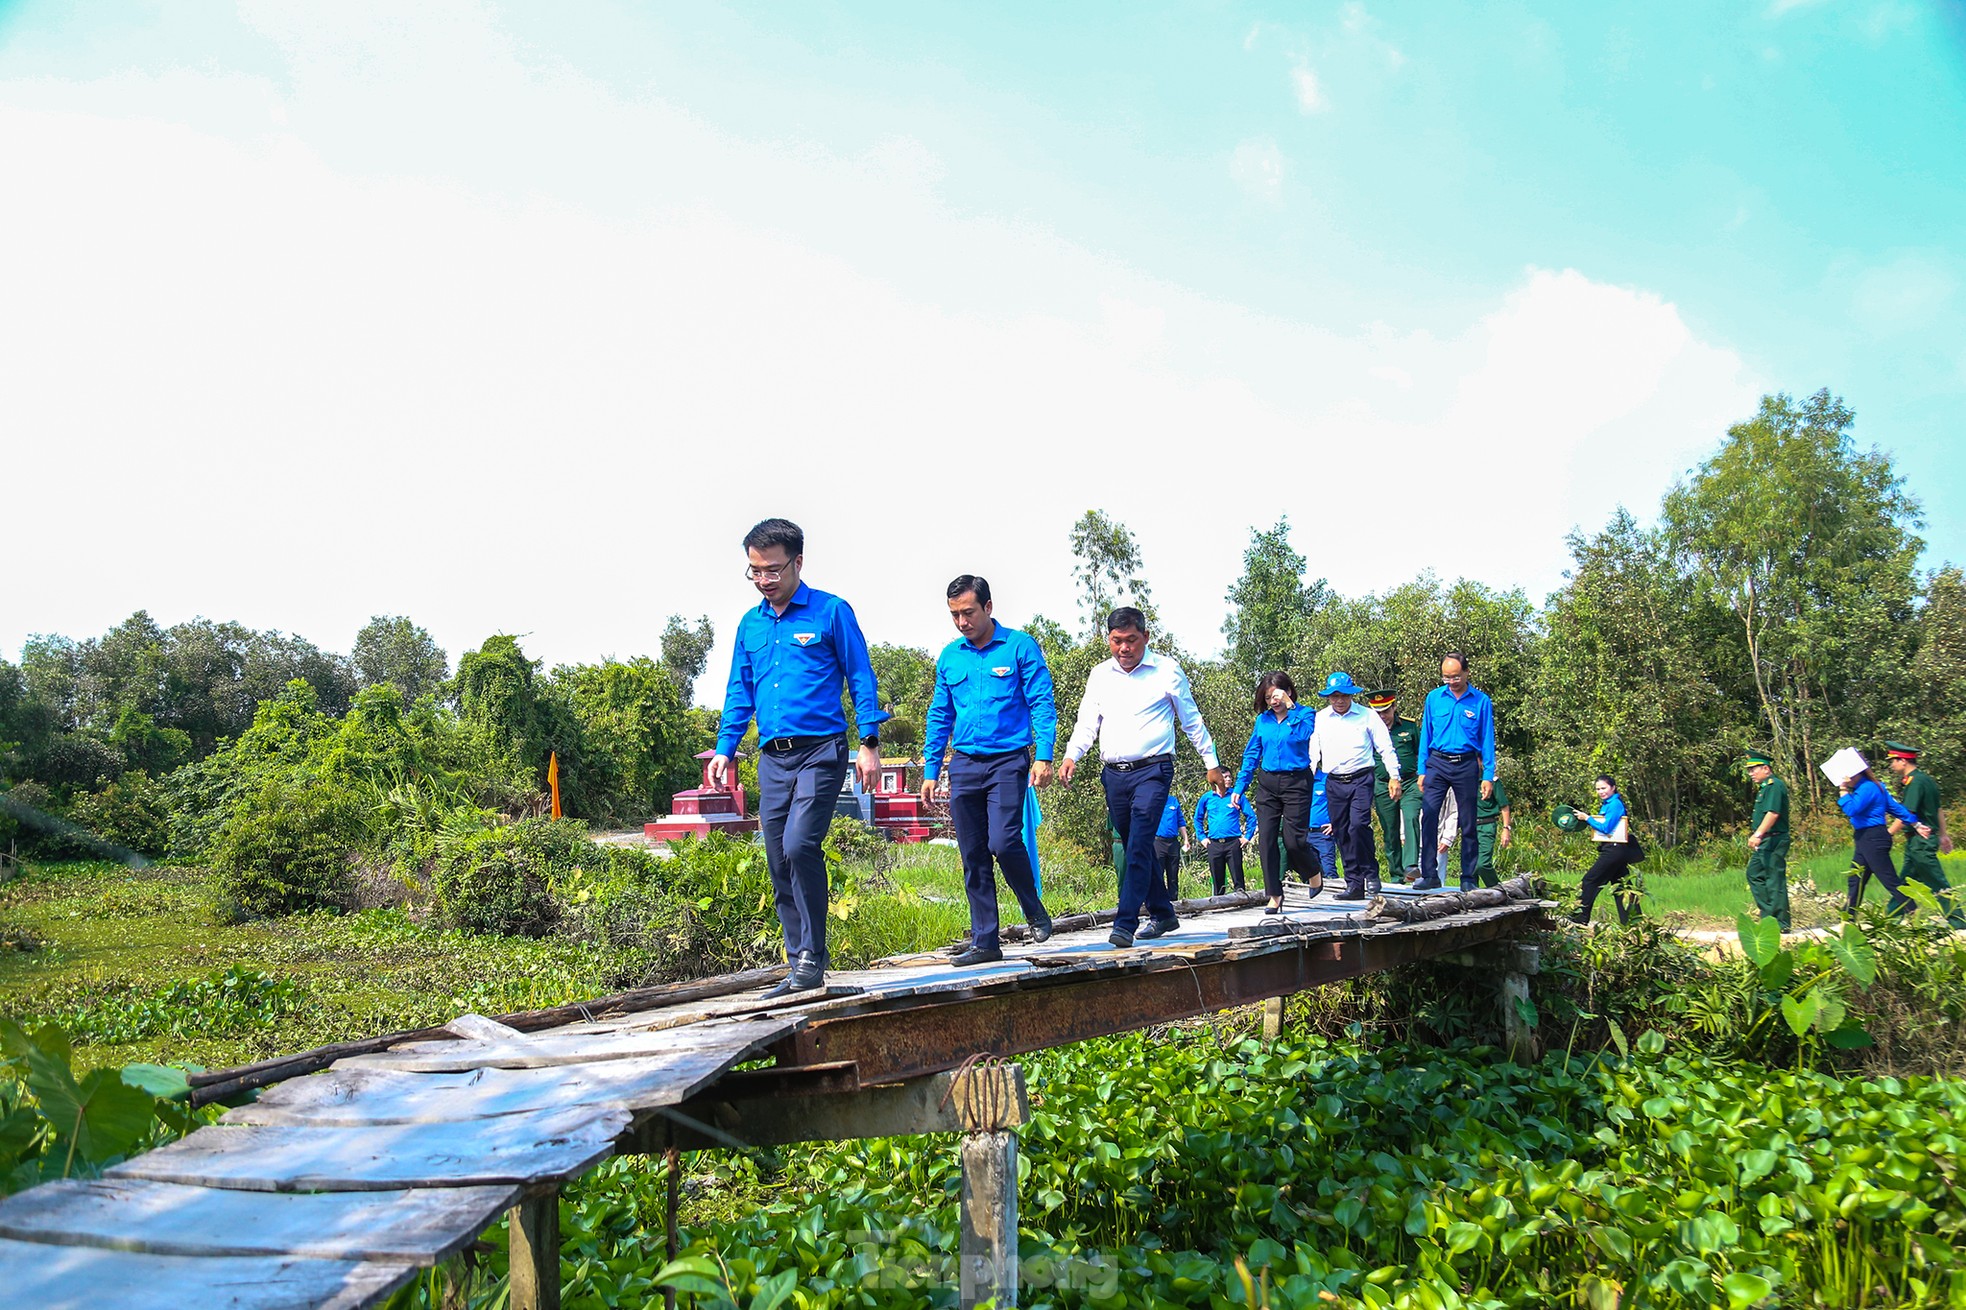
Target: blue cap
point(1341, 684)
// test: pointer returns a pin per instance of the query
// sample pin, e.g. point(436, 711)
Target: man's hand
point(1503, 838)
point(1488, 789)
point(1945, 843)
point(720, 770)
point(1041, 774)
point(1187, 843)
point(1392, 789)
point(1066, 770)
point(928, 791)
point(1235, 800)
point(1924, 830)
point(868, 766)
point(1217, 778)
point(1421, 783)
point(1754, 842)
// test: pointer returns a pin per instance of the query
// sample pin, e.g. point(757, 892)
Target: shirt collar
point(801, 597)
point(1147, 661)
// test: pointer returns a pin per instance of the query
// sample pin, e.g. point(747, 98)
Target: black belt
point(1456, 756)
point(786, 745)
point(1128, 766)
point(1347, 777)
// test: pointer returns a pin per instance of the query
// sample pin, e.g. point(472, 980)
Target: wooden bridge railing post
point(534, 1247)
point(990, 1104)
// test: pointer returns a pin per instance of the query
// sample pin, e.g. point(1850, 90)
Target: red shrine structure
point(896, 804)
point(705, 809)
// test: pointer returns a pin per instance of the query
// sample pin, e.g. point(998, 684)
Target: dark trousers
point(1614, 860)
point(1463, 778)
point(1224, 859)
point(1134, 801)
point(1874, 857)
point(1167, 853)
point(1349, 798)
point(986, 805)
point(797, 791)
point(1283, 803)
point(1768, 878)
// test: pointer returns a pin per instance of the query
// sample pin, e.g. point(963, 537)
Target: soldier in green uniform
point(1768, 843)
point(1920, 795)
point(1494, 829)
point(1399, 820)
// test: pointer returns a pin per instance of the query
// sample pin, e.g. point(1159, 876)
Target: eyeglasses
point(767, 575)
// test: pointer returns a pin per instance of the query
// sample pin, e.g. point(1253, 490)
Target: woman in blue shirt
point(1280, 744)
point(1868, 806)
point(1616, 852)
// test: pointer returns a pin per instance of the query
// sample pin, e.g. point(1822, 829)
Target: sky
point(514, 318)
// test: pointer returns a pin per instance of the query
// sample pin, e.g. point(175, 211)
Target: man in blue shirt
point(1322, 841)
point(1170, 840)
point(1224, 827)
point(992, 702)
point(1457, 753)
point(794, 655)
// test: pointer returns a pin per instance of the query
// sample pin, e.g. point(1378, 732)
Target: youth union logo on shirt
point(1469, 713)
point(805, 638)
point(1002, 670)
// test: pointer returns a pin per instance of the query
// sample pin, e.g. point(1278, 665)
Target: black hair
point(777, 532)
point(1269, 680)
point(1457, 657)
point(969, 582)
point(1127, 619)
point(1608, 781)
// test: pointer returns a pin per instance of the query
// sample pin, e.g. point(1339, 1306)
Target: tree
point(391, 649)
point(1808, 542)
point(906, 678)
point(686, 650)
point(636, 740)
point(1270, 602)
point(1108, 569)
point(1933, 718)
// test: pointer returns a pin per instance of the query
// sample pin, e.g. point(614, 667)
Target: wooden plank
point(516, 1148)
point(563, 1047)
point(352, 1097)
point(416, 1227)
point(44, 1277)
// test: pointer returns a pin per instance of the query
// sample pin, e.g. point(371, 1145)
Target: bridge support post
point(1273, 1018)
point(988, 1249)
point(1517, 1030)
point(534, 1246)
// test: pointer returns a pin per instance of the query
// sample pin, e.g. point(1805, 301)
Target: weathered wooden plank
point(563, 1047)
point(41, 1277)
point(418, 1227)
point(516, 1148)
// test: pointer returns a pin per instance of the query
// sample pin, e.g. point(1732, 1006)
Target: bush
point(286, 848)
point(131, 812)
point(705, 910)
point(502, 880)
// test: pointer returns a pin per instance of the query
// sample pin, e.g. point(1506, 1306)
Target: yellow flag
point(553, 779)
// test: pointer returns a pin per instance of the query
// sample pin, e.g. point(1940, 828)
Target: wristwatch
point(871, 740)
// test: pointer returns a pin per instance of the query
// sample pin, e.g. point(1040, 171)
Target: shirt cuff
point(1044, 754)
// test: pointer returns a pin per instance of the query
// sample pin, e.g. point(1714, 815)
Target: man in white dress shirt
point(1131, 705)
point(1346, 737)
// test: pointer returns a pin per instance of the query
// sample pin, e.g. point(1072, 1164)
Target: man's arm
point(1508, 827)
point(1382, 742)
point(738, 707)
point(940, 724)
point(1085, 729)
point(1189, 714)
point(1426, 741)
point(1039, 695)
point(1487, 729)
point(860, 681)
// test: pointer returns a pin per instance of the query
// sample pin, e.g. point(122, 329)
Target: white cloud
point(1257, 167)
point(249, 378)
point(1304, 85)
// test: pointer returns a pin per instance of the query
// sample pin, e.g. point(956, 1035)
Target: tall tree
point(1808, 541)
point(686, 650)
point(1933, 717)
point(1270, 602)
point(1108, 569)
point(391, 649)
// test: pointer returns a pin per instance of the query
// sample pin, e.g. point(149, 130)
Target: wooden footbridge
point(359, 1164)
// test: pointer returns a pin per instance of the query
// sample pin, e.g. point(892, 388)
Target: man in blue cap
point(1343, 744)
point(1457, 748)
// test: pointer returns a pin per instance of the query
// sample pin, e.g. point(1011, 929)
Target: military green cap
point(1379, 700)
point(1565, 818)
point(1756, 757)
point(1898, 750)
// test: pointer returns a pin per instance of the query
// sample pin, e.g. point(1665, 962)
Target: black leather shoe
point(1426, 884)
point(808, 972)
point(1118, 940)
point(978, 955)
point(1158, 928)
point(1041, 932)
point(1349, 896)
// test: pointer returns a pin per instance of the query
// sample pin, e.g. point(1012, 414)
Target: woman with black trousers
point(1868, 805)
point(1616, 851)
point(1280, 744)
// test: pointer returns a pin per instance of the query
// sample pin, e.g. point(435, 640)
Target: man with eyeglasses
point(1457, 748)
point(794, 655)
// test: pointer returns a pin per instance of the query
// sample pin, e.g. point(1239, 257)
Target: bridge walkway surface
point(356, 1165)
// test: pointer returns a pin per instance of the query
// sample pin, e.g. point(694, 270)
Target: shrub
point(502, 880)
point(286, 847)
point(130, 812)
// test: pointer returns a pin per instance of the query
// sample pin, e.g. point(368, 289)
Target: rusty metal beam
point(912, 1037)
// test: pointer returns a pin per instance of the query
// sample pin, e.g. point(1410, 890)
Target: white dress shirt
point(1344, 743)
point(1133, 715)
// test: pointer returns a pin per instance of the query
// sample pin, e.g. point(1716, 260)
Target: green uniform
point(1399, 820)
point(1768, 863)
point(1488, 815)
point(1921, 797)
